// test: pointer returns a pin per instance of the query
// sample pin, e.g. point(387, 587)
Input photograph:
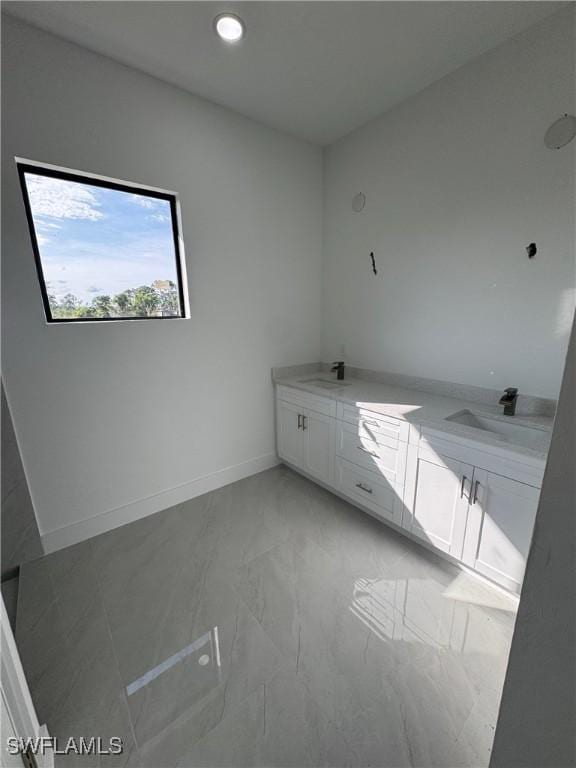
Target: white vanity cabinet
point(477, 507)
point(318, 438)
point(436, 499)
point(371, 460)
point(369, 489)
point(499, 530)
point(290, 442)
point(474, 502)
point(306, 433)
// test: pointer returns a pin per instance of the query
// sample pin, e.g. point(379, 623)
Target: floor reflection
point(417, 610)
point(207, 651)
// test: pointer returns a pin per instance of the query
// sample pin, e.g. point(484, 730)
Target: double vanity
point(455, 474)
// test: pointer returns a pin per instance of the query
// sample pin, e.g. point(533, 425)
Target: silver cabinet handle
point(304, 427)
point(370, 423)
point(370, 453)
point(364, 488)
point(475, 495)
point(299, 421)
point(464, 478)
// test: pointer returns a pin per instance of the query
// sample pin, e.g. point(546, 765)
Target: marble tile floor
point(268, 623)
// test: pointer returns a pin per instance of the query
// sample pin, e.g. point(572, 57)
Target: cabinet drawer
point(306, 400)
point(386, 457)
point(367, 489)
point(374, 424)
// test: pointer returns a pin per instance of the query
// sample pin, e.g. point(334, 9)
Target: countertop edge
point(451, 431)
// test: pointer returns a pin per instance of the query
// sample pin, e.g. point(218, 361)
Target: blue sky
point(99, 241)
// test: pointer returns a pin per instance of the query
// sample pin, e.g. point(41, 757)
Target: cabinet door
point(319, 446)
point(500, 524)
point(437, 489)
point(290, 434)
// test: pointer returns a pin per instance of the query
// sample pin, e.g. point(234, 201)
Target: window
point(104, 250)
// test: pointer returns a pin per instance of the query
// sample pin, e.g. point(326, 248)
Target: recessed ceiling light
point(229, 27)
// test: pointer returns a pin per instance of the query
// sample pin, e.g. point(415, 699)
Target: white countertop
point(425, 409)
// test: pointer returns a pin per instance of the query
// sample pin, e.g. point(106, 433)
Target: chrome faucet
point(339, 368)
point(508, 400)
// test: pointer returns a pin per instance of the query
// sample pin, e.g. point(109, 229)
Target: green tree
point(102, 306)
point(160, 298)
point(168, 298)
point(146, 301)
point(69, 307)
point(52, 300)
point(69, 304)
point(123, 303)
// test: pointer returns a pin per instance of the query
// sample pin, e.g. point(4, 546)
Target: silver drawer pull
point(364, 488)
point(370, 423)
point(371, 453)
point(464, 478)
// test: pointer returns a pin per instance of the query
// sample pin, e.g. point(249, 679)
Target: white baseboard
point(128, 513)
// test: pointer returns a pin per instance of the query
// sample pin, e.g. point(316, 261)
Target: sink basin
point(518, 434)
point(325, 383)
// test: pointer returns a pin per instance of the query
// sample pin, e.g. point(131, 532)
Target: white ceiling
point(316, 70)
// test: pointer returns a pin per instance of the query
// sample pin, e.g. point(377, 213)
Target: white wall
point(458, 181)
point(114, 413)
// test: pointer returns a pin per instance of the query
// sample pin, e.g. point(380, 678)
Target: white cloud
point(161, 217)
point(61, 199)
point(156, 207)
point(49, 225)
point(143, 202)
